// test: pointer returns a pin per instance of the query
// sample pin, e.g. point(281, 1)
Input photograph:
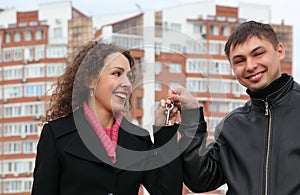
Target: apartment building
point(180, 45)
point(33, 50)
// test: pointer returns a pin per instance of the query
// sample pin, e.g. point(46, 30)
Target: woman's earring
point(91, 92)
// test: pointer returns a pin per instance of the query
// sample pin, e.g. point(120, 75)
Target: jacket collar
point(274, 98)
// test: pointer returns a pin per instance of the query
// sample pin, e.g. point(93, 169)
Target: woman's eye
point(116, 73)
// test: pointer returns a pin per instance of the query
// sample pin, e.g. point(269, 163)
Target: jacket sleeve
point(166, 179)
point(201, 165)
point(46, 171)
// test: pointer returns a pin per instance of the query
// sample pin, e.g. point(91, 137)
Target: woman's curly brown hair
point(71, 87)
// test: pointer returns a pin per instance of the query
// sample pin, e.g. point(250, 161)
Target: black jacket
point(257, 151)
point(72, 161)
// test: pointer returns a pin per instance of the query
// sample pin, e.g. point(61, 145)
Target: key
point(169, 107)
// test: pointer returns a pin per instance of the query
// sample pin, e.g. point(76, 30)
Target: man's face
point(256, 63)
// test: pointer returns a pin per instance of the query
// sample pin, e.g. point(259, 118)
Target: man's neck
point(275, 85)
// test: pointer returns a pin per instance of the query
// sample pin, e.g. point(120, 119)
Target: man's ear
point(281, 51)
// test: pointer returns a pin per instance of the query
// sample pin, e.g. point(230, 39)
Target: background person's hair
point(248, 30)
point(72, 86)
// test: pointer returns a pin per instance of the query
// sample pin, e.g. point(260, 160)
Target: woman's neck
point(105, 118)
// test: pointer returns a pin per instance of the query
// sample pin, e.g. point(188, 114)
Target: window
point(128, 42)
point(7, 55)
point(36, 89)
point(221, 18)
point(219, 86)
point(39, 52)
point(196, 66)
point(219, 67)
point(32, 109)
point(28, 35)
point(58, 33)
point(214, 29)
point(35, 71)
point(158, 48)
point(30, 146)
point(196, 47)
point(12, 72)
point(232, 19)
point(77, 31)
point(12, 147)
point(39, 34)
point(225, 30)
point(213, 48)
point(176, 26)
point(175, 48)
point(56, 51)
point(7, 37)
point(12, 91)
point(157, 67)
point(28, 53)
point(17, 54)
point(196, 85)
point(35, 109)
point(238, 89)
point(200, 29)
point(173, 85)
point(174, 67)
point(221, 107)
point(17, 185)
point(17, 36)
point(20, 129)
point(158, 86)
point(55, 69)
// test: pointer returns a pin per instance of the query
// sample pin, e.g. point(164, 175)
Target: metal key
point(169, 107)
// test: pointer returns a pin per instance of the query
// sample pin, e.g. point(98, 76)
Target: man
point(257, 150)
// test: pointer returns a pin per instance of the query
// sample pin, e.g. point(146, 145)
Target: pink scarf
point(107, 136)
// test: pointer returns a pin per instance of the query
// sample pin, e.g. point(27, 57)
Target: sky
point(280, 10)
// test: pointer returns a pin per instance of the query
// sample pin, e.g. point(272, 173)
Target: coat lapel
point(85, 144)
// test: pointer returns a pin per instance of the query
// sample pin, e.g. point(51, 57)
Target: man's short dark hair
point(250, 29)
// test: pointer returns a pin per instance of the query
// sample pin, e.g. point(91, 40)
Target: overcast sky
point(286, 10)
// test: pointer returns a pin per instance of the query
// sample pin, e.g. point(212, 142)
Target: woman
point(87, 147)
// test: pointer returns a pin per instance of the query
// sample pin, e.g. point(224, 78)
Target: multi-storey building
point(180, 45)
point(33, 48)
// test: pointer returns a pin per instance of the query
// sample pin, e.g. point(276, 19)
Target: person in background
point(256, 148)
point(87, 146)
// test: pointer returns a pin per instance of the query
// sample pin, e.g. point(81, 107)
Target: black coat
point(72, 161)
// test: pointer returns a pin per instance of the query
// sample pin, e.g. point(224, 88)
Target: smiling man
point(257, 147)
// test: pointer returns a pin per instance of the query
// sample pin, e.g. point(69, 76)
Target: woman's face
point(114, 85)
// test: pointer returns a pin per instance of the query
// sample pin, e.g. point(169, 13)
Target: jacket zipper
point(268, 114)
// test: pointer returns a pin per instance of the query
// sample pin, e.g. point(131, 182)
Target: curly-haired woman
point(88, 147)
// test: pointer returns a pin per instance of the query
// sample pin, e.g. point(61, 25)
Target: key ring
point(171, 106)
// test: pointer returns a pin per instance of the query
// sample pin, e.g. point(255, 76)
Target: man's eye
point(258, 54)
point(237, 61)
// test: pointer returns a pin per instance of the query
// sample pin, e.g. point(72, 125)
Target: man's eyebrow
point(253, 51)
